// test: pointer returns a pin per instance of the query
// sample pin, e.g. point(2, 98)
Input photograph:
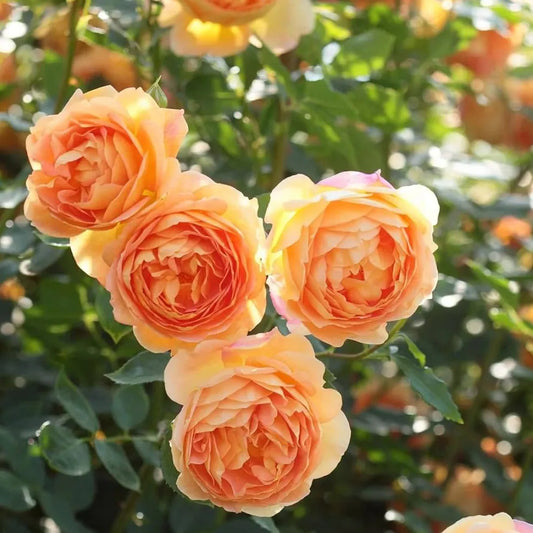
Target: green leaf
point(210, 95)
point(105, 316)
point(63, 451)
point(321, 94)
point(363, 54)
point(186, 516)
point(58, 242)
point(17, 239)
point(379, 106)
point(170, 474)
point(240, 525)
point(58, 509)
point(414, 349)
point(117, 464)
point(76, 491)
point(263, 200)
point(145, 367)
point(148, 451)
point(75, 403)
point(130, 406)
point(16, 123)
point(266, 523)
point(14, 495)
point(18, 454)
point(432, 389)
point(283, 77)
point(157, 93)
point(12, 196)
point(43, 257)
point(499, 283)
point(9, 268)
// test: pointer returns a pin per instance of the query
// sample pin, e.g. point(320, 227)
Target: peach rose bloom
point(498, 523)
point(257, 424)
point(224, 27)
point(99, 161)
point(349, 254)
point(188, 269)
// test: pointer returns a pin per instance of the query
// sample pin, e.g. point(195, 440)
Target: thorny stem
point(153, 6)
point(281, 142)
point(282, 129)
point(126, 438)
point(124, 517)
point(371, 349)
point(472, 414)
point(75, 10)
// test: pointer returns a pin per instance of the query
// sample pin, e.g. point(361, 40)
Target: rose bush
point(257, 424)
point(223, 28)
point(499, 523)
point(187, 269)
point(349, 254)
point(99, 161)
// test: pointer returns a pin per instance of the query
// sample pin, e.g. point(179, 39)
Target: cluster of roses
point(185, 260)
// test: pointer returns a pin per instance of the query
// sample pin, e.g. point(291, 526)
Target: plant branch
point(371, 349)
point(124, 517)
point(75, 10)
point(281, 142)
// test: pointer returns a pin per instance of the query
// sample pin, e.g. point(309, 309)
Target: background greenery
point(83, 414)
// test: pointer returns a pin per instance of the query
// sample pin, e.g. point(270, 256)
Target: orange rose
point(185, 270)
point(257, 424)
point(99, 161)
point(498, 523)
point(466, 491)
point(488, 52)
point(224, 27)
point(349, 254)
point(511, 230)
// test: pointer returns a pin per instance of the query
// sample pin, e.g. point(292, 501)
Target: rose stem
point(75, 10)
point(371, 349)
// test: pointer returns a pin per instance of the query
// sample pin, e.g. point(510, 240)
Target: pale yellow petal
point(335, 439)
point(170, 11)
point(423, 200)
point(281, 28)
point(88, 251)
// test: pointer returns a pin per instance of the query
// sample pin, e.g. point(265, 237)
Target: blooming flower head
point(224, 27)
point(498, 523)
point(99, 161)
point(185, 270)
point(257, 425)
point(349, 254)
